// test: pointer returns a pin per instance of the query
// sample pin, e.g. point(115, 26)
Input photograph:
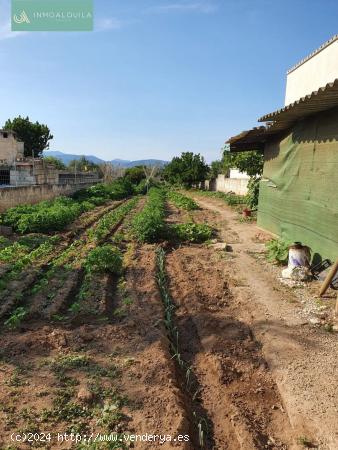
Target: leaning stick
point(328, 279)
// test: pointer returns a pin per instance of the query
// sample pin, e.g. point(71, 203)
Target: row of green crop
point(73, 256)
point(36, 249)
point(150, 226)
point(26, 259)
point(182, 201)
point(86, 253)
point(103, 259)
point(191, 387)
point(55, 215)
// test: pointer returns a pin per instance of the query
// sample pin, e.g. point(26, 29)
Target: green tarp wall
point(299, 190)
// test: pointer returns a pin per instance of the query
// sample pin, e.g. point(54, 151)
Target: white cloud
point(200, 7)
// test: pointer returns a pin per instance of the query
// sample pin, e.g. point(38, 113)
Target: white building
point(313, 72)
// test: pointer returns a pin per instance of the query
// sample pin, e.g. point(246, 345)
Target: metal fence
point(5, 177)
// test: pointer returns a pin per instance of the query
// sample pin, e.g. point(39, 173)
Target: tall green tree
point(82, 165)
point(36, 136)
point(60, 165)
point(216, 167)
point(252, 163)
point(187, 169)
point(135, 174)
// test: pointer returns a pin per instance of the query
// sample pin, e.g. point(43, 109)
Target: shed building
point(299, 189)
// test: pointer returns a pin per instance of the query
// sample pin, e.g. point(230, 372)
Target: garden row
point(46, 286)
point(150, 225)
point(55, 215)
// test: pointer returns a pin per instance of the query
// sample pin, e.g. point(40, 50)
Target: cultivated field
point(126, 318)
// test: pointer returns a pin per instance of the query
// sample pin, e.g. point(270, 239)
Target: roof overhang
point(323, 99)
point(254, 139)
point(281, 120)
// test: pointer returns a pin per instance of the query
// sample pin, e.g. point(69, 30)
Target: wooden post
point(328, 279)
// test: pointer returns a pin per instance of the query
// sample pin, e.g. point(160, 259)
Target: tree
point(35, 136)
point(216, 167)
point(82, 165)
point(58, 163)
point(135, 174)
point(250, 162)
point(188, 169)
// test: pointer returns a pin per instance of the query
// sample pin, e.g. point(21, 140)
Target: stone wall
point(14, 196)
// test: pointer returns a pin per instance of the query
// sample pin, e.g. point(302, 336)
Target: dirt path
point(303, 359)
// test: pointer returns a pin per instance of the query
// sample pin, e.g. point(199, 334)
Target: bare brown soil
point(236, 387)
point(112, 369)
point(301, 356)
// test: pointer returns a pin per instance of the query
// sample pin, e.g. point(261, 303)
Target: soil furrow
point(18, 290)
point(238, 392)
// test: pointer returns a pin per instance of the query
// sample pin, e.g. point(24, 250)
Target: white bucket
point(299, 256)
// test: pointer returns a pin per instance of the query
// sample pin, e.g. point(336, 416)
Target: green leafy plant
point(4, 242)
point(277, 250)
point(16, 318)
point(55, 215)
point(191, 232)
point(105, 258)
point(253, 192)
point(149, 225)
point(182, 201)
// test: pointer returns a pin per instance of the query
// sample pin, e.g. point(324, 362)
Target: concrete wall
point(10, 148)
point(30, 172)
point(316, 71)
point(14, 196)
point(222, 184)
point(235, 173)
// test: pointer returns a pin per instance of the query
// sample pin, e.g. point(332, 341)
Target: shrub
point(105, 258)
point(101, 193)
point(96, 201)
point(191, 232)
point(87, 206)
point(181, 201)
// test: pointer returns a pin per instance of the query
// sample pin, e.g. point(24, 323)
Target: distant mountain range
point(66, 158)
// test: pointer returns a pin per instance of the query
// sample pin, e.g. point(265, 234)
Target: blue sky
point(157, 77)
